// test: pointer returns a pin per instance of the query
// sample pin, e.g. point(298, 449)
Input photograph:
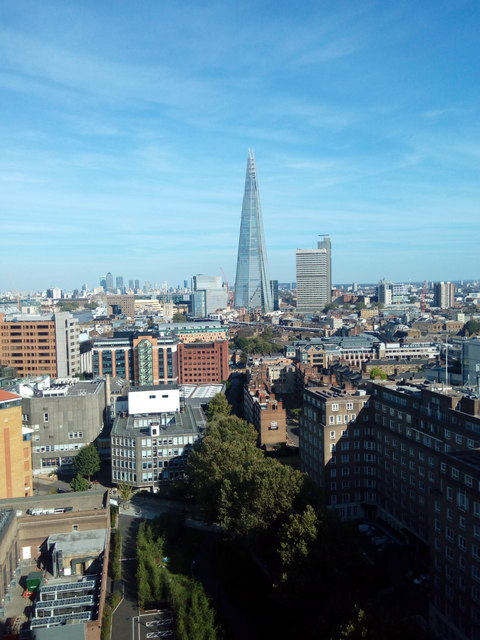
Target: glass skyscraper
point(252, 283)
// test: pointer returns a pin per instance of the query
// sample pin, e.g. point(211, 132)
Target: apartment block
point(415, 467)
point(335, 448)
point(15, 449)
point(40, 344)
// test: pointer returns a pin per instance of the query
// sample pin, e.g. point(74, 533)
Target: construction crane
point(424, 293)
point(229, 292)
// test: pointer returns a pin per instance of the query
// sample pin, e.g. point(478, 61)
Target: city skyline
point(124, 132)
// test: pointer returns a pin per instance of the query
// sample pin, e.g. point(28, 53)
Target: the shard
point(252, 283)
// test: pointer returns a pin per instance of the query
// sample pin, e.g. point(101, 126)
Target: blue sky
point(124, 130)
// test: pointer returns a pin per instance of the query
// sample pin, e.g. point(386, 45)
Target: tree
point(218, 406)
point(79, 483)
point(471, 328)
point(229, 443)
point(125, 491)
point(87, 461)
point(256, 494)
point(378, 372)
point(179, 317)
point(297, 537)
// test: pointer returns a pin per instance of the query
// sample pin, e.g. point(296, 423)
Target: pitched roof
point(6, 396)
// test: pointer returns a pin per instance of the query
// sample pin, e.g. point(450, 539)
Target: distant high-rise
point(119, 283)
point(130, 285)
point(443, 295)
point(252, 283)
point(109, 281)
point(137, 284)
point(314, 277)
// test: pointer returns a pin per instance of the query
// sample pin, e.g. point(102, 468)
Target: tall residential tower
point(252, 284)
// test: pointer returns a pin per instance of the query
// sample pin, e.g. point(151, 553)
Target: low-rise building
point(264, 411)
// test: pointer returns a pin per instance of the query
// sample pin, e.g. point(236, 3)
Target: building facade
point(209, 294)
point(35, 345)
point(61, 420)
point(314, 279)
point(264, 411)
point(409, 458)
point(443, 295)
point(252, 282)
point(15, 449)
point(201, 363)
point(151, 443)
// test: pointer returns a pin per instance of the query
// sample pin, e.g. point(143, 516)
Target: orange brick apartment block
point(15, 453)
point(28, 347)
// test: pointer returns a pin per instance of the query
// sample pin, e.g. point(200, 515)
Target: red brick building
point(203, 362)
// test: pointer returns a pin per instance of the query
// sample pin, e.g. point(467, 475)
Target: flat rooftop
point(79, 543)
point(171, 423)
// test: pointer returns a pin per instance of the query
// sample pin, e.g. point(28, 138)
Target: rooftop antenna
point(446, 360)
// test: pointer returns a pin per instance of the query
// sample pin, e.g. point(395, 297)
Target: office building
point(151, 442)
point(109, 282)
point(15, 449)
point(275, 297)
point(119, 284)
point(391, 293)
point(139, 357)
point(252, 282)
point(62, 418)
point(36, 344)
point(119, 304)
point(314, 280)
point(443, 295)
point(209, 294)
point(203, 362)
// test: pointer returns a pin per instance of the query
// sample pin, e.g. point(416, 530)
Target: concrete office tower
point(443, 295)
point(252, 283)
point(314, 277)
point(119, 283)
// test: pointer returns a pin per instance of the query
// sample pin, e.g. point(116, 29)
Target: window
point(45, 417)
point(332, 435)
point(334, 407)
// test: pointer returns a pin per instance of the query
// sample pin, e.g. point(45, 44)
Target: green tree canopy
point(472, 327)
point(218, 406)
point(179, 317)
point(79, 483)
point(87, 461)
point(125, 491)
point(378, 372)
point(228, 444)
